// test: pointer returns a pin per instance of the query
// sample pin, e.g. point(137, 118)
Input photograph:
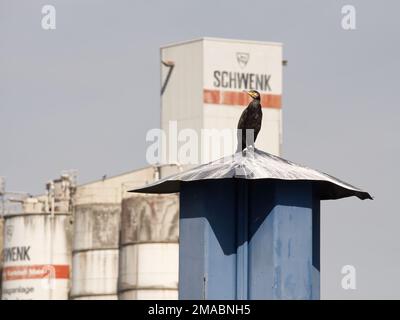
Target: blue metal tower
point(250, 227)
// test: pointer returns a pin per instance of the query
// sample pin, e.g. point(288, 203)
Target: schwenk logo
point(242, 58)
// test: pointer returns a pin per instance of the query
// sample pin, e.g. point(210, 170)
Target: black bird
point(249, 120)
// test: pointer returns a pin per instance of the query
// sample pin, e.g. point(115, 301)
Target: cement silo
point(97, 214)
point(95, 246)
point(2, 203)
point(149, 249)
point(1, 249)
point(37, 248)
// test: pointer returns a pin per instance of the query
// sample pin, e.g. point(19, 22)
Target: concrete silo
point(95, 250)
point(149, 251)
point(148, 262)
point(1, 249)
point(2, 194)
point(37, 246)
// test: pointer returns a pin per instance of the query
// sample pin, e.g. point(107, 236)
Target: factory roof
point(262, 166)
point(178, 43)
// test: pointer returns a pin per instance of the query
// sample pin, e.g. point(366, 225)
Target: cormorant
point(249, 120)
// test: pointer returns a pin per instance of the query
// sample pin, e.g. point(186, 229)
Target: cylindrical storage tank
point(148, 267)
point(37, 256)
point(1, 249)
point(95, 251)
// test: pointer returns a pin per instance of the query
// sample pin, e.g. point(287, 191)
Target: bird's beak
point(249, 93)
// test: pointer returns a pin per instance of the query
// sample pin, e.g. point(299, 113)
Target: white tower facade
point(204, 90)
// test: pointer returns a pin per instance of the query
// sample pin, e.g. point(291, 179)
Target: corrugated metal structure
point(37, 246)
point(204, 91)
point(258, 165)
point(250, 227)
point(149, 247)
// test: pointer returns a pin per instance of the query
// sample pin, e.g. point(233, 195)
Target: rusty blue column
point(244, 239)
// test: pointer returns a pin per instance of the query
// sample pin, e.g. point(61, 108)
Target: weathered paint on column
point(207, 251)
point(243, 239)
point(281, 244)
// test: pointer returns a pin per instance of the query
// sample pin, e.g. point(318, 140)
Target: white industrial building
point(205, 90)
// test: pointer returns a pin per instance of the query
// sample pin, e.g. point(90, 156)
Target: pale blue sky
point(84, 95)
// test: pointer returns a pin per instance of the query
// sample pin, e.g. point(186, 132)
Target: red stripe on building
point(240, 98)
point(36, 272)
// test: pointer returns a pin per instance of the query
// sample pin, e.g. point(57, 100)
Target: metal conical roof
point(258, 165)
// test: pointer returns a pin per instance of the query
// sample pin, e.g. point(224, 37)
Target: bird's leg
point(250, 151)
